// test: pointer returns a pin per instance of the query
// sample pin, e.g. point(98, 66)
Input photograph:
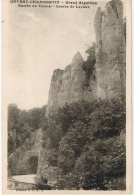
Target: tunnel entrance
point(32, 165)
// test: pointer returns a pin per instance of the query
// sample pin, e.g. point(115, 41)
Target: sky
point(40, 40)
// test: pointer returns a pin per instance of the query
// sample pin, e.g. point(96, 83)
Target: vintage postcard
point(66, 97)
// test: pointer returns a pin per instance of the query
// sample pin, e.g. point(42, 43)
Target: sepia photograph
point(67, 96)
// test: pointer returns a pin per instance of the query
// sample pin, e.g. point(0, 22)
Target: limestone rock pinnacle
point(107, 79)
point(77, 59)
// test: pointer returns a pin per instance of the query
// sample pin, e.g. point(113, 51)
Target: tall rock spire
point(110, 50)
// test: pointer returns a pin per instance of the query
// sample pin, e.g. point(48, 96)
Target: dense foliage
point(21, 124)
point(87, 141)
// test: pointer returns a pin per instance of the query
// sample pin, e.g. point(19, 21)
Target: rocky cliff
point(26, 158)
point(69, 85)
point(107, 79)
point(110, 51)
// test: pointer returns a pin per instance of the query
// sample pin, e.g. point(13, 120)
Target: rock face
point(26, 158)
point(108, 78)
point(69, 85)
point(110, 51)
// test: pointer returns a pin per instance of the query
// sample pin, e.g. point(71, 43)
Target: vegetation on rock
point(89, 65)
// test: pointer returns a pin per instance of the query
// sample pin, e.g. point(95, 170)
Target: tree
point(35, 117)
point(13, 120)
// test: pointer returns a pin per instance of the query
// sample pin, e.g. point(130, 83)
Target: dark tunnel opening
point(32, 165)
